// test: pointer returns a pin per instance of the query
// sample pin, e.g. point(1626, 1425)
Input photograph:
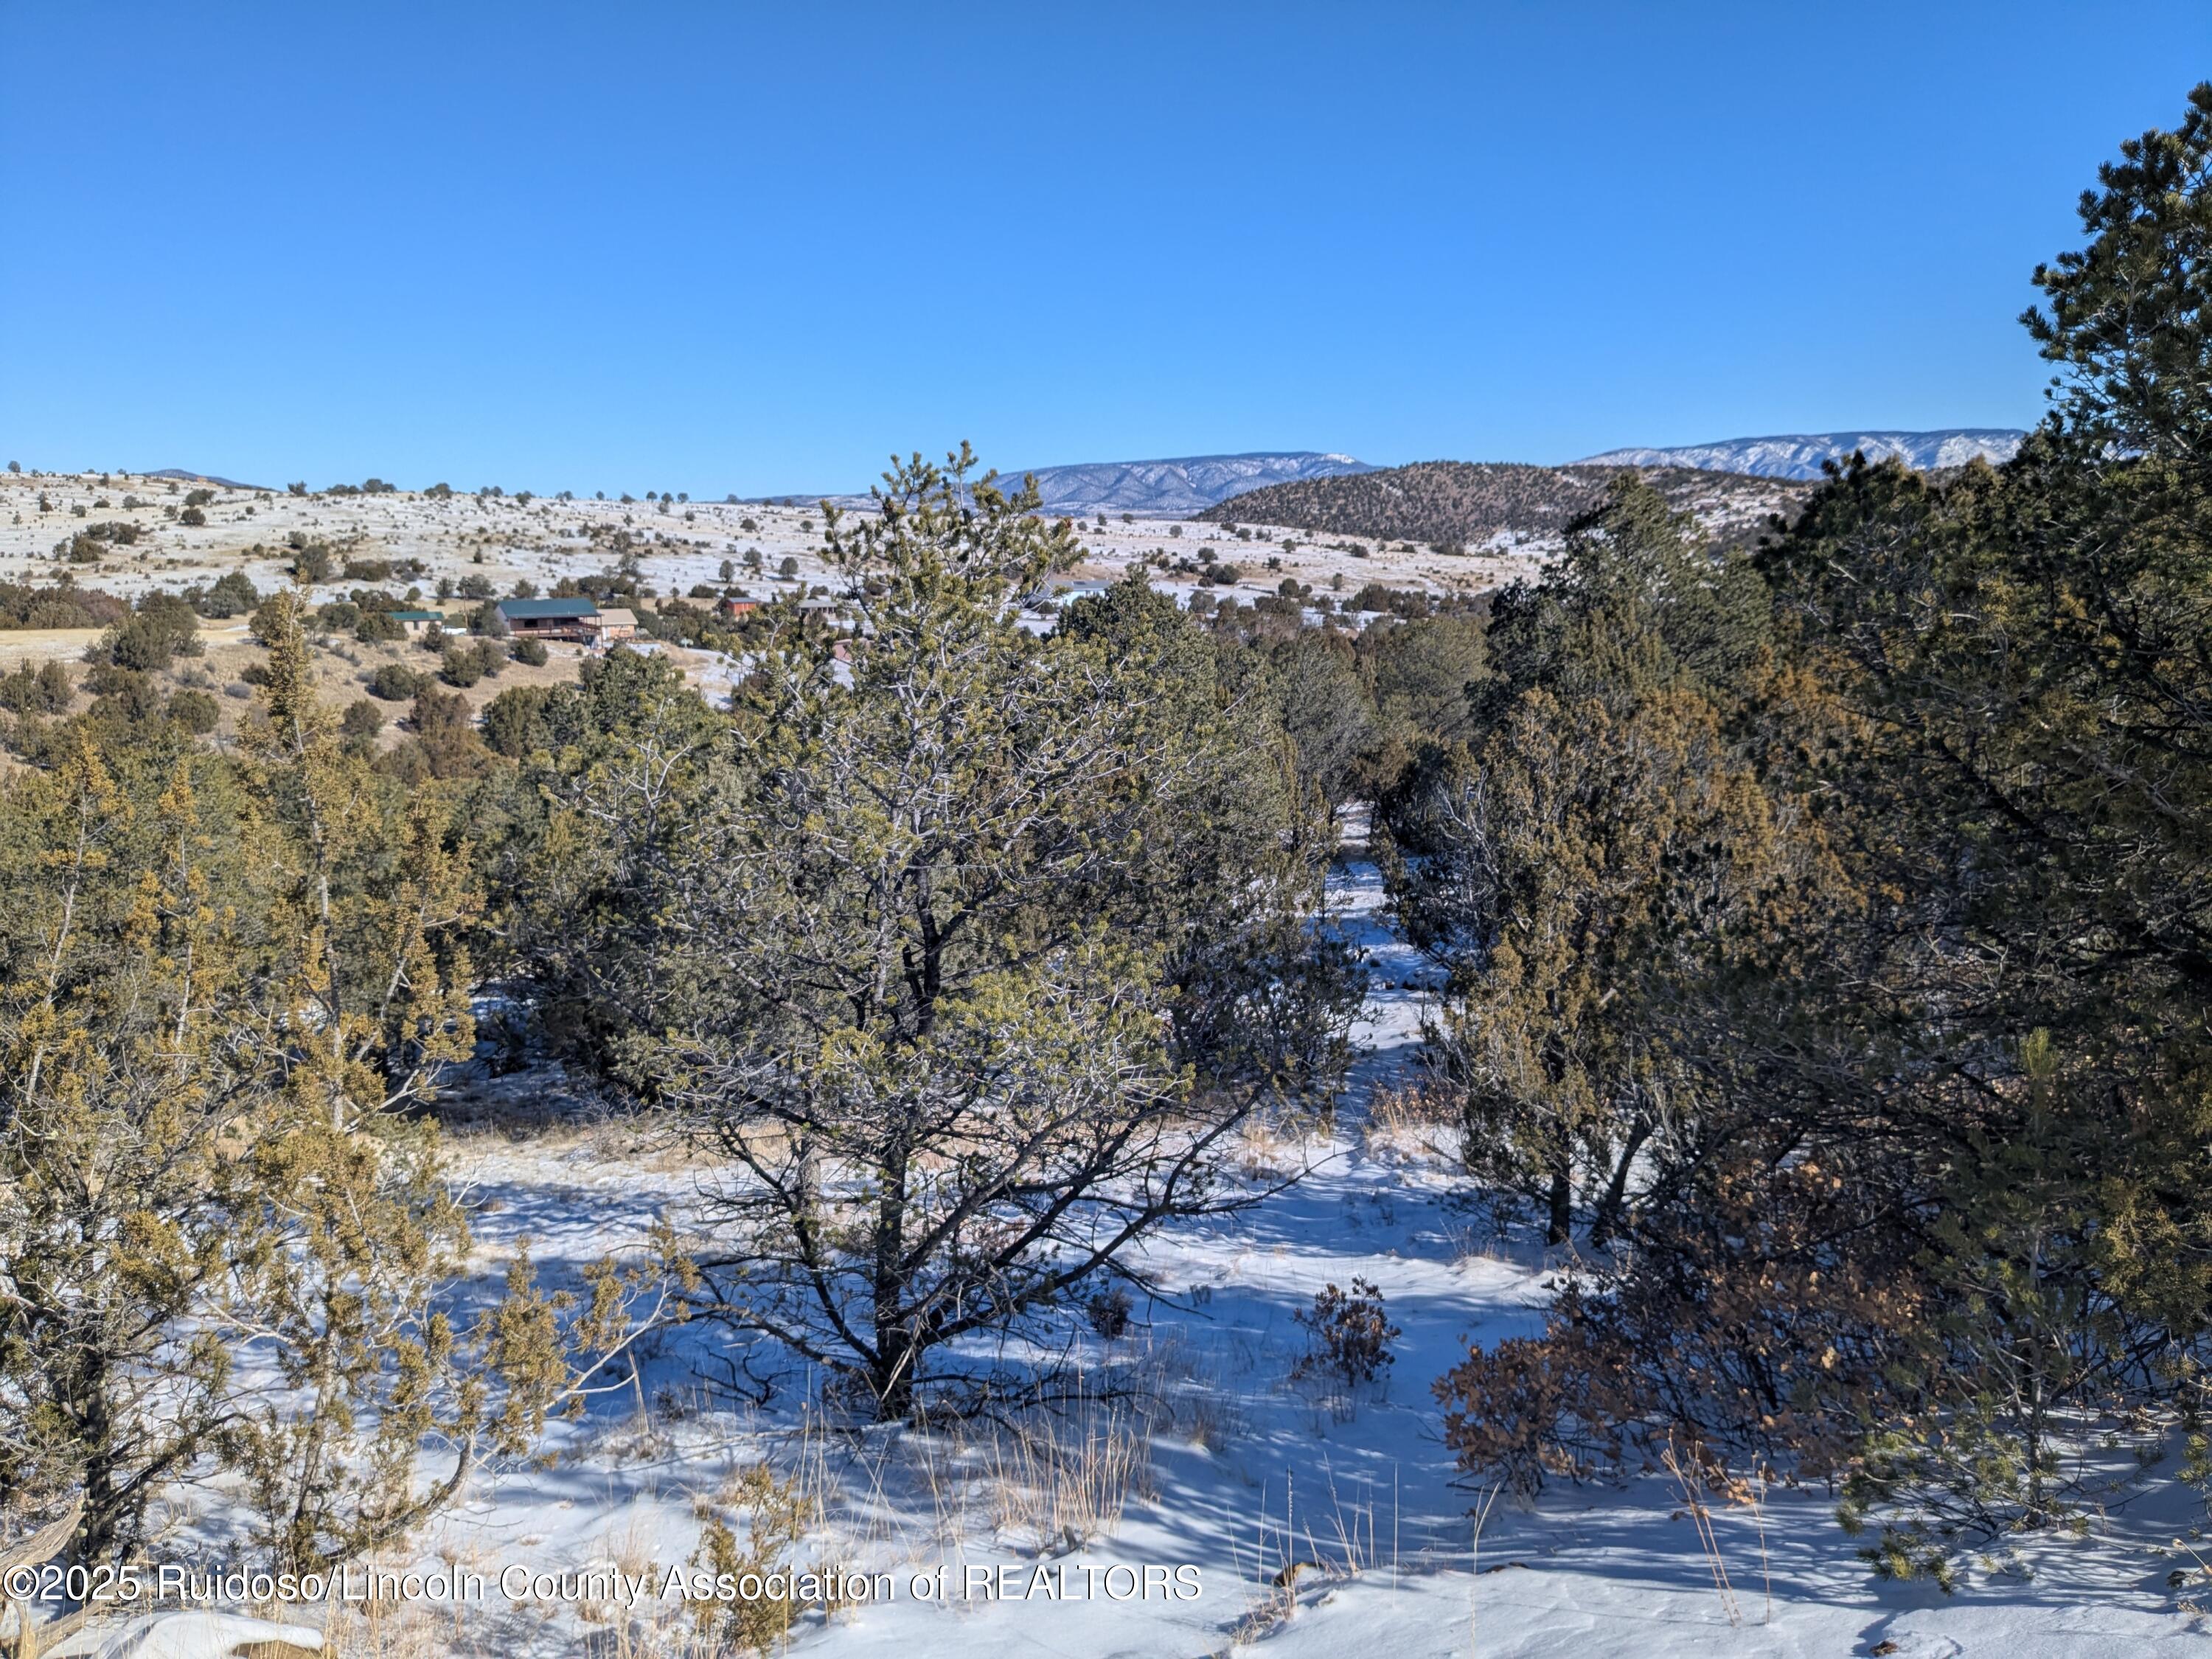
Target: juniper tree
point(1422, 673)
point(221, 984)
point(348, 1297)
point(1327, 712)
point(2026, 647)
point(1600, 881)
point(1601, 865)
point(129, 1031)
point(1955, 1237)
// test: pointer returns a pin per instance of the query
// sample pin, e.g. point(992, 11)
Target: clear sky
point(752, 247)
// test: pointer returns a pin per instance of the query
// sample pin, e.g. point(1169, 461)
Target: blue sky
point(753, 248)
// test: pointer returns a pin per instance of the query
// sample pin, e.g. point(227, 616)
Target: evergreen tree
point(220, 984)
point(1604, 865)
point(966, 949)
point(1951, 1232)
point(131, 1026)
point(2130, 314)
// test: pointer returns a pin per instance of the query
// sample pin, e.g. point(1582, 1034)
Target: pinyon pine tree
point(968, 950)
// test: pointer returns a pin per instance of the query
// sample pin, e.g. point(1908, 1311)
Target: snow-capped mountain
point(1151, 489)
point(1175, 489)
point(1799, 454)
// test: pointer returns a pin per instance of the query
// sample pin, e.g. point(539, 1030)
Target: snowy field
point(1224, 1467)
point(513, 537)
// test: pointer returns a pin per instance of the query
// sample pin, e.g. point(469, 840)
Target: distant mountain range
point(1471, 499)
point(1174, 488)
point(1799, 454)
point(1179, 488)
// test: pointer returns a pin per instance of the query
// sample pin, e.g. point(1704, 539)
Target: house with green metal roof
point(551, 619)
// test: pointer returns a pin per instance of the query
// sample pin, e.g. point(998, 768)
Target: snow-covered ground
point(508, 538)
point(1236, 1469)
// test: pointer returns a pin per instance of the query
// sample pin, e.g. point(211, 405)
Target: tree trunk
point(1608, 1217)
point(1562, 1228)
point(890, 1372)
point(101, 1533)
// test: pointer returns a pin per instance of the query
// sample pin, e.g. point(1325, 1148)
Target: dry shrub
point(1421, 1117)
point(1676, 1342)
point(1274, 1147)
point(1348, 1337)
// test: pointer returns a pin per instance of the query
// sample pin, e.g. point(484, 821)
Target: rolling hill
point(185, 476)
point(1473, 502)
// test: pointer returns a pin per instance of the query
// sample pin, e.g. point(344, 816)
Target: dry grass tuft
point(1415, 1120)
point(1060, 1481)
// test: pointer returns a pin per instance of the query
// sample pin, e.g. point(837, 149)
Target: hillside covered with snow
point(1799, 454)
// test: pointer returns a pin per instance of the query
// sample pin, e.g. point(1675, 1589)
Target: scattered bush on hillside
point(230, 594)
point(163, 627)
point(444, 735)
point(195, 711)
point(677, 623)
point(460, 667)
point(121, 694)
point(64, 605)
point(396, 681)
point(514, 721)
point(377, 626)
point(360, 723)
point(43, 690)
point(1392, 601)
